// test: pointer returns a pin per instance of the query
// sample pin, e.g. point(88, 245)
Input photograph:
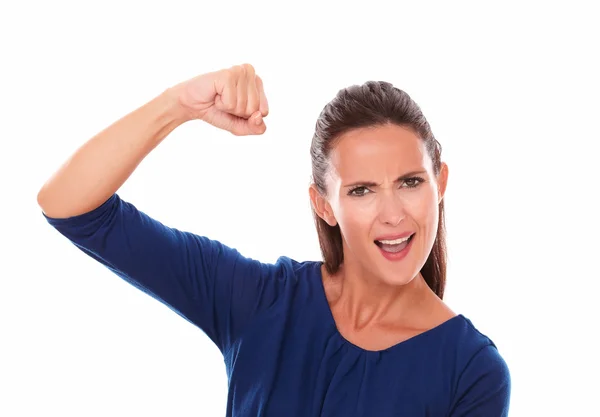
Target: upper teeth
point(395, 242)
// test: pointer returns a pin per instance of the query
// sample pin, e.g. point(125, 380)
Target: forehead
point(378, 149)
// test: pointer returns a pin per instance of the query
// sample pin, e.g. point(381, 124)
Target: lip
point(394, 237)
point(398, 256)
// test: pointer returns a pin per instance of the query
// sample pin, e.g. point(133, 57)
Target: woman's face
point(381, 188)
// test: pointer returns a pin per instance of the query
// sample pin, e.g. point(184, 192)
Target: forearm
point(102, 164)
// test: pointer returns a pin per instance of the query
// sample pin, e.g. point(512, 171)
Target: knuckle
point(248, 69)
point(239, 71)
point(233, 74)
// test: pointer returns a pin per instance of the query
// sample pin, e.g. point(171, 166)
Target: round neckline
point(333, 323)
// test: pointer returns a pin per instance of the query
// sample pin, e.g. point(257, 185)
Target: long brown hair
point(373, 104)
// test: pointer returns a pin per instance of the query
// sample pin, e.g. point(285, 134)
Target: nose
point(391, 209)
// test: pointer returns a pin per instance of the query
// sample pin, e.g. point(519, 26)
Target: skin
point(378, 303)
point(231, 99)
point(374, 304)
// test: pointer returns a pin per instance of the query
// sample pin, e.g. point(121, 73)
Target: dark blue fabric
point(283, 353)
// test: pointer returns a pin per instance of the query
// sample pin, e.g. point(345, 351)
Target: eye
point(359, 191)
point(413, 182)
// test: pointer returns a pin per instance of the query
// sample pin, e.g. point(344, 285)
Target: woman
point(363, 333)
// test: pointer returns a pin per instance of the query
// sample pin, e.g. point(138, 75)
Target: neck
point(366, 300)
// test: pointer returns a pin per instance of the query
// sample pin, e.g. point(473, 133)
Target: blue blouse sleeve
point(208, 283)
point(484, 387)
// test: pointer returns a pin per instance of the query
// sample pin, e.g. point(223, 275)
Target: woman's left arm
point(484, 386)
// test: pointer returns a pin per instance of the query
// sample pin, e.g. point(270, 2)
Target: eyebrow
point(373, 184)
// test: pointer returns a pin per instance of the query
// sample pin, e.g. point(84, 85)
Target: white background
point(511, 91)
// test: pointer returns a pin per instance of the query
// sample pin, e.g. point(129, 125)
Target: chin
point(396, 269)
point(398, 279)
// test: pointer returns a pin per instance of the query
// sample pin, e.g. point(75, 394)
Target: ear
point(321, 206)
point(442, 181)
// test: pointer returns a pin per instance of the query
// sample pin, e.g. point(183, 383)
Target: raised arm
point(231, 99)
point(208, 283)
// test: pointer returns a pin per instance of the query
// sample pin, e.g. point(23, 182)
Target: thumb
point(254, 125)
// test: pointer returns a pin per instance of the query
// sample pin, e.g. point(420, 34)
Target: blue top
point(283, 353)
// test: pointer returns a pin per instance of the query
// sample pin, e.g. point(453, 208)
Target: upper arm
point(211, 285)
point(484, 386)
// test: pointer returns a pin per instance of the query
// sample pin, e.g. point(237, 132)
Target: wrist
point(172, 101)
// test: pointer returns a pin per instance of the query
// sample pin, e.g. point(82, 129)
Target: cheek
point(356, 219)
point(425, 210)
point(426, 216)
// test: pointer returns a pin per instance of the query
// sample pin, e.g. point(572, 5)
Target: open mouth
point(394, 246)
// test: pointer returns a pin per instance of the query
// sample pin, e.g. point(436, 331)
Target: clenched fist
point(232, 99)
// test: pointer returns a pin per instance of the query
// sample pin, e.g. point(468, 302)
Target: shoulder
point(482, 375)
point(474, 348)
